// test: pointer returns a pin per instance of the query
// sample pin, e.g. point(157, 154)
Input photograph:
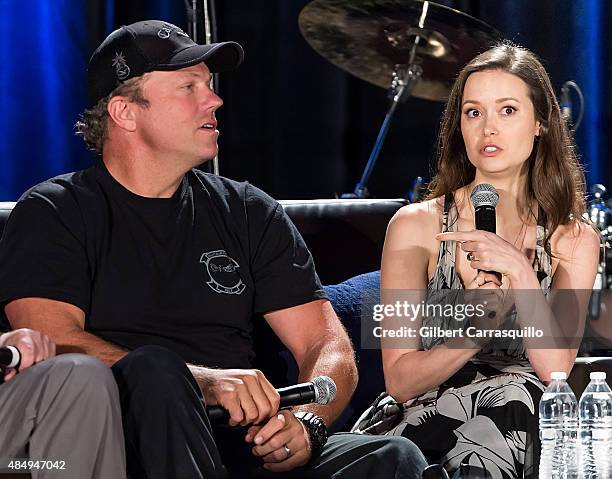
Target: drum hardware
point(418, 191)
point(600, 214)
point(202, 28)
point(409, 47)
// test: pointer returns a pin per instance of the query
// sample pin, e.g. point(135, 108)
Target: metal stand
point(405, 78)
point(209, 35)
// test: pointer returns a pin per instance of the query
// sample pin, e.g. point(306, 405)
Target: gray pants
point(63, 409)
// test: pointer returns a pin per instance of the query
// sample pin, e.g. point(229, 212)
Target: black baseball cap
point(133, 50)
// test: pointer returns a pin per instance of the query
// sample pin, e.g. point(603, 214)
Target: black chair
point(346, 239)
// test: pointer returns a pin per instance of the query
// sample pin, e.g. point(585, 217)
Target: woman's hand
point(492, 300)
point(489, 252)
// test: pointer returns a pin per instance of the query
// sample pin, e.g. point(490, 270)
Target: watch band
point(317, 431)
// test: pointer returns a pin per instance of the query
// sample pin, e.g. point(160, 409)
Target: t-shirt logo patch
point(222, 274)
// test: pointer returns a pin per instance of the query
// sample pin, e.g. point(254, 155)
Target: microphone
point(484, 198)
point(10, 357)
point(320, 390)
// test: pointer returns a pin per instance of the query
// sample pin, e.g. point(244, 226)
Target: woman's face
point(498, 121)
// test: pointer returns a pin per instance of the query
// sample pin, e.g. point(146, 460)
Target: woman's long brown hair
point(555, 180)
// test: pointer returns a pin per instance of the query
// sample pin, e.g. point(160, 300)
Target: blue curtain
point(570, 37)
point(43, 57)
point(587, 53)
point(279, 122)
point(41, 91)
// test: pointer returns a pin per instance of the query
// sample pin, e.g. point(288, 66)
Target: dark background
point(292, 123)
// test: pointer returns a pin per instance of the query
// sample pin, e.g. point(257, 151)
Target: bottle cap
point(558, 375)
point(598, 375)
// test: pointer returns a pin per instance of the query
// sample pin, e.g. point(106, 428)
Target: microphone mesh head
point(325, 389)
point(484, 194)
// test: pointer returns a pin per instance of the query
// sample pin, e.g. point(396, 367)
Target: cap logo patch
point(121, 68)
point(164, 33)
point(181, 32)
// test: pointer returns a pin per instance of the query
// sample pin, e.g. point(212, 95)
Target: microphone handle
point(289, 396)
point(218, 414)
point(9, 357)
point(484, 217)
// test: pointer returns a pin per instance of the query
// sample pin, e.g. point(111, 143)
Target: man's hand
point(33, 346)
point(282, 443)
point(246, 393)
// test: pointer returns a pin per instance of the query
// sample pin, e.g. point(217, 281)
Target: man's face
point(180, 123)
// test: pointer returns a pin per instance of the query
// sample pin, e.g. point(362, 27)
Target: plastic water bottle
point(558, 430)
point(596, 428)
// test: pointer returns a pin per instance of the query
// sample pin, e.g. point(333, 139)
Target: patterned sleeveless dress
point(485, 415)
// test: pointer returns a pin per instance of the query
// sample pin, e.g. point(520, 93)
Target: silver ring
point(470, 256)
point(287, 450)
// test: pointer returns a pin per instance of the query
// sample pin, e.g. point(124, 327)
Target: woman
point(463, 400)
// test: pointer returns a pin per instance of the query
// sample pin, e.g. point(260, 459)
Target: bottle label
point(600, 395)
point(548, 434)
point(601, 434)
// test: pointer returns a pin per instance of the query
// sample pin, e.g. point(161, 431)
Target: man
point(59, 415)
point(149, 264)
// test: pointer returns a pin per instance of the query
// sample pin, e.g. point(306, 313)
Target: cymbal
point(368, 38)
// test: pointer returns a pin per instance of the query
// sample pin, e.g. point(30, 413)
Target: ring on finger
point(470, 256)
point(287, 450)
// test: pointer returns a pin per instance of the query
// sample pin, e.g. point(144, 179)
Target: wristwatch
point(317, 432)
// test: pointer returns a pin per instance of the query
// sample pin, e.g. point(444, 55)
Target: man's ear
point(121, 111)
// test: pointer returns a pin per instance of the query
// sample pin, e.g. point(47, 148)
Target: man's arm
point(314, 335)
point(64, 323)
point(320, 346)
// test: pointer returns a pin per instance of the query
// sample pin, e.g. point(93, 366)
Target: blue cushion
point(351, 299)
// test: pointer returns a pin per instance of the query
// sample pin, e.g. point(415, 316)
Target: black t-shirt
point(186, 272)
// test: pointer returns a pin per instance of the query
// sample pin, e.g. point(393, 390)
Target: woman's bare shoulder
point(422, 214)
point(575, 234)
point(575, 248)
point(417, 222)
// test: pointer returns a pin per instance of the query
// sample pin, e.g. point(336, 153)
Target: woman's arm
point(564, 314)
point(404, 274)
point(562, 317)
